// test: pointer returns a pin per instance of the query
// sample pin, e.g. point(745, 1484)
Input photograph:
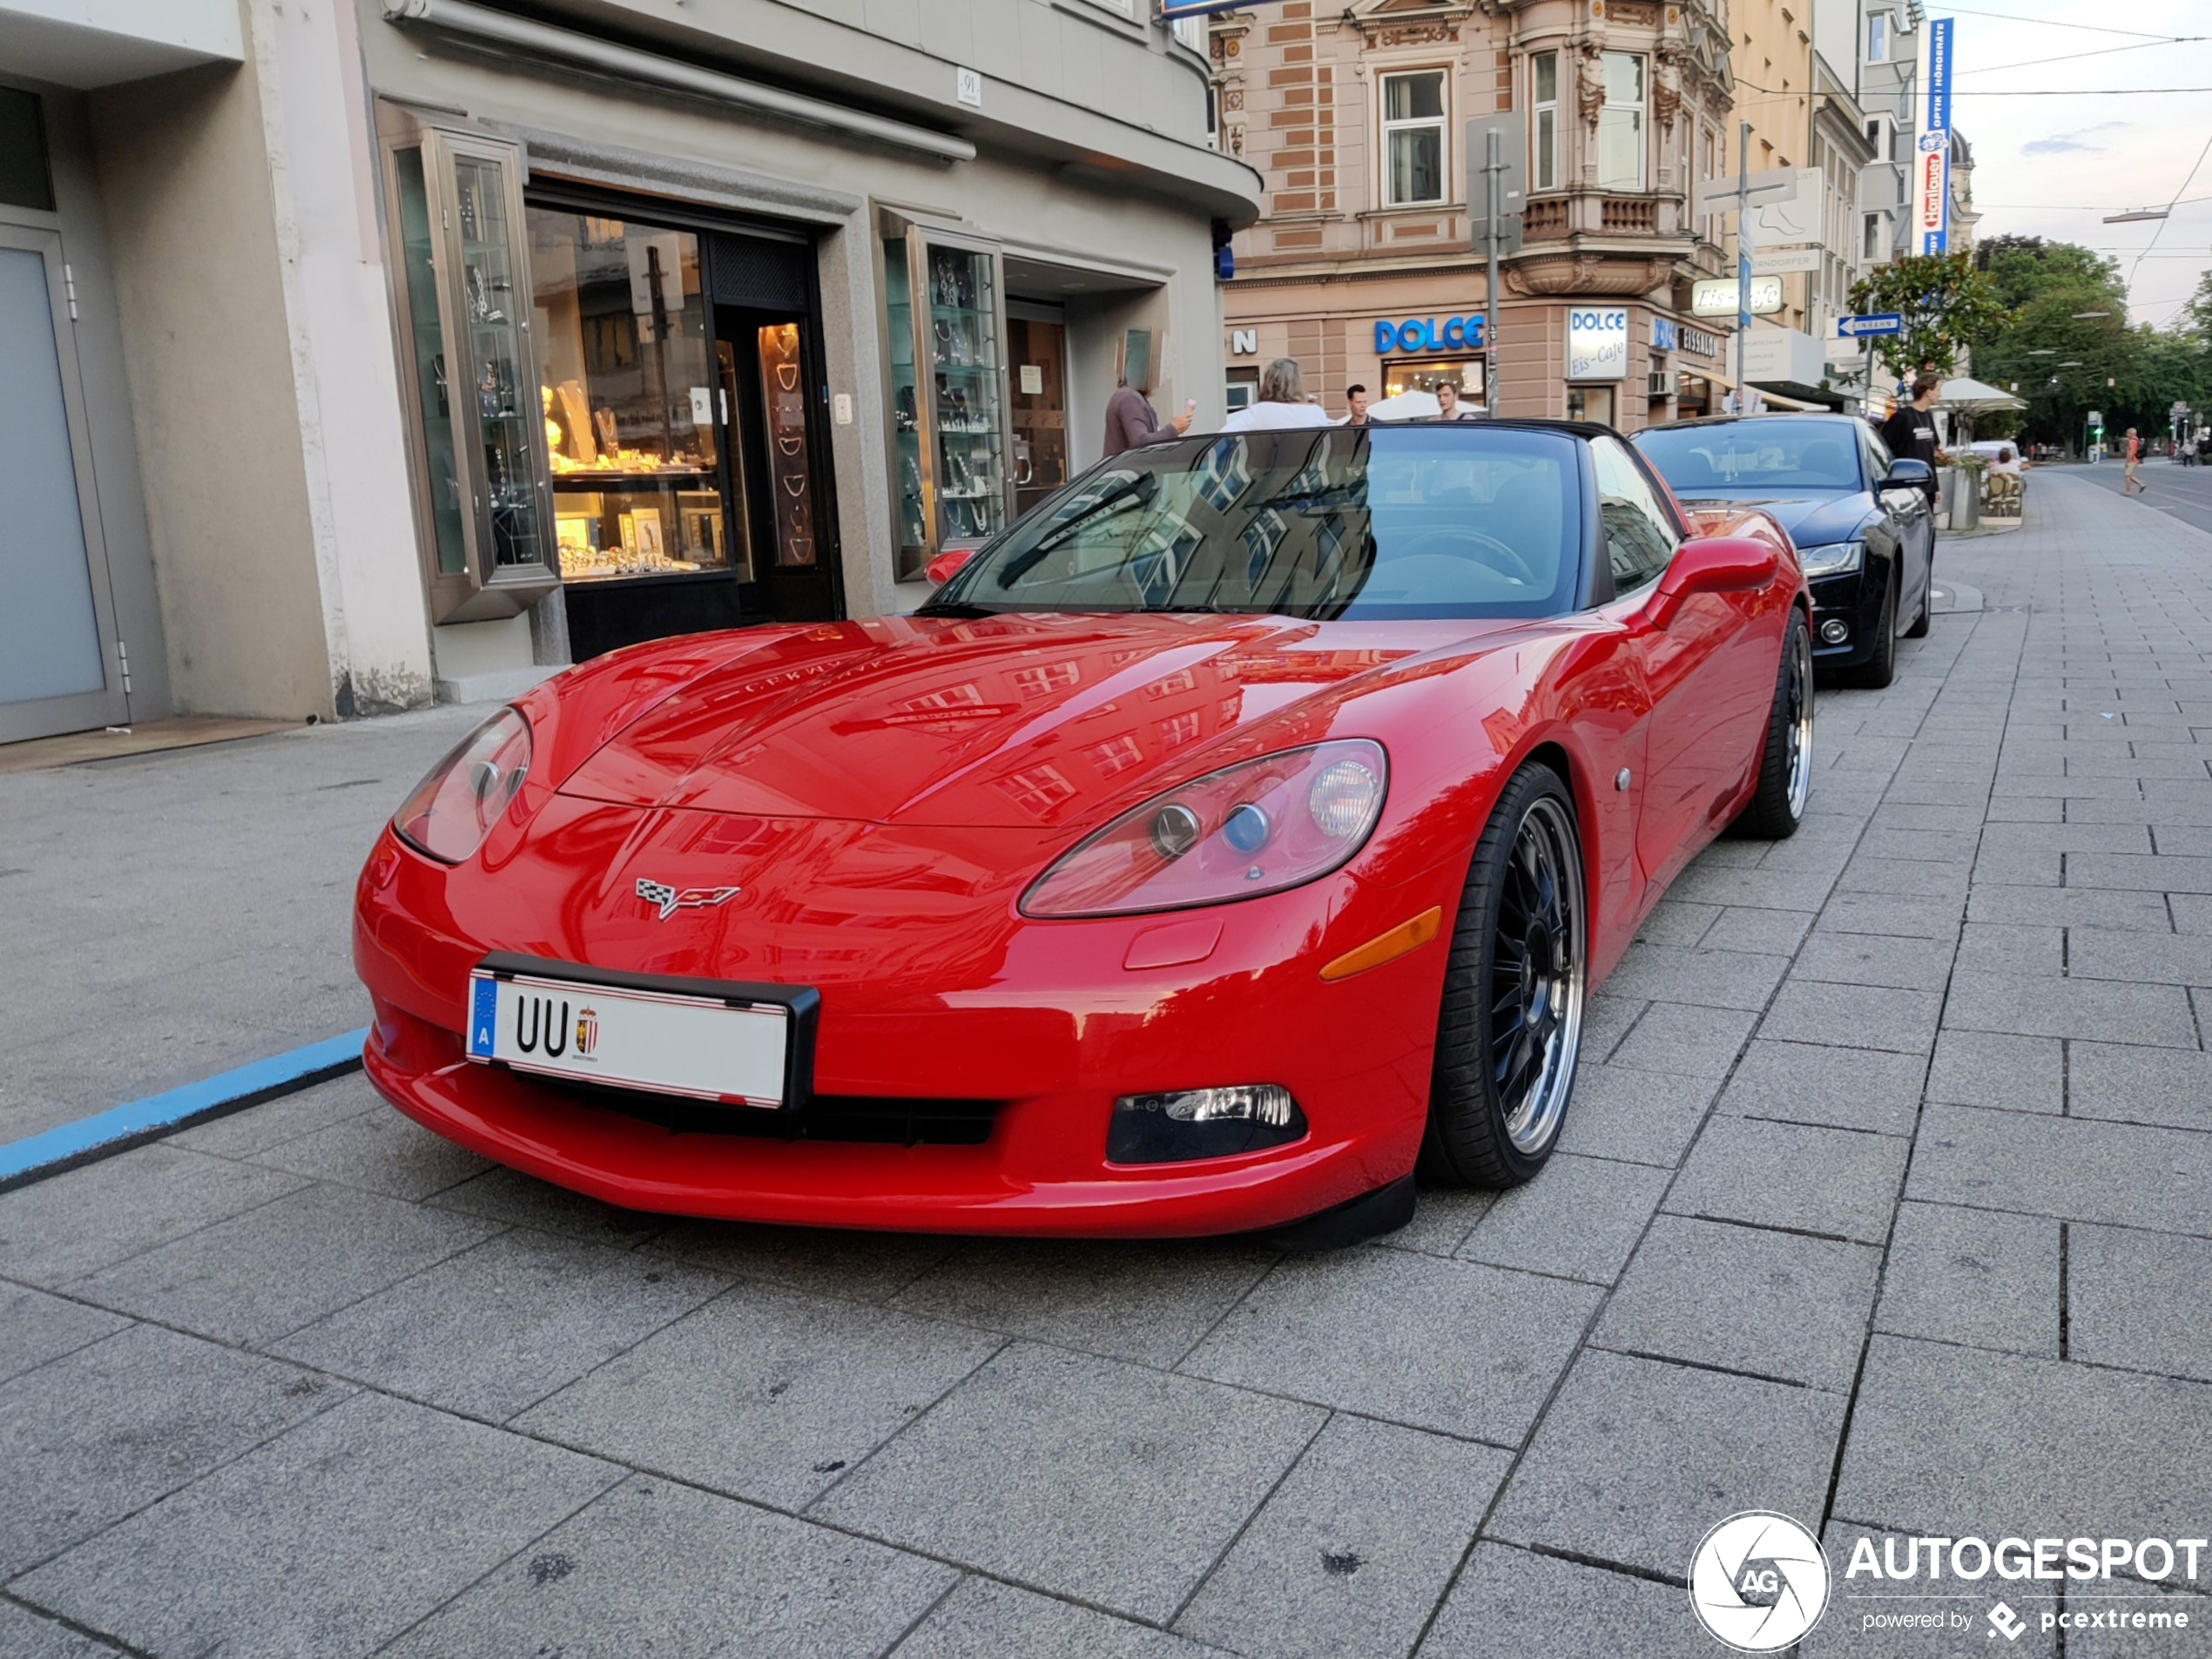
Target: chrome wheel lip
point(1531, 1120)
point(1800, 737)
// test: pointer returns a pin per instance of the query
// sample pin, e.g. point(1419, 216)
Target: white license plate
point(702, 1047)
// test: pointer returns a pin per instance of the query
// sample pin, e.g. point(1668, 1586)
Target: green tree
point(1946, 305)
point(2196, 315)
point(2021, 267)
point(2065, 345)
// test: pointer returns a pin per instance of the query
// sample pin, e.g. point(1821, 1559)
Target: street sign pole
point(1492, 166)
point(1742, 264)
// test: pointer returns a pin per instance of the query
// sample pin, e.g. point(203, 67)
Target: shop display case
point(949, 446)
point(480, 451)
point(629, 397)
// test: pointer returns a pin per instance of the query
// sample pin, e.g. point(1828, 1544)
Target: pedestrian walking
point(1911, 430)
point(2130, 481)
point(1132, 423)
point(1449, 406)
point(1282, 402)
point(1355, 398)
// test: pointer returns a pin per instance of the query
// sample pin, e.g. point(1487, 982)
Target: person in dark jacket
point(1130, 421)
point(1911, 431)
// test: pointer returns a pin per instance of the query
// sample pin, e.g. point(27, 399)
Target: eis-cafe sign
point(1597, 343)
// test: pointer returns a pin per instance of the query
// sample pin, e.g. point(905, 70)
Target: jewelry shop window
point(629, 397)
point(479, 454)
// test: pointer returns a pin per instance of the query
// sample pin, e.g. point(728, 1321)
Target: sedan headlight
point(1256, 827)
point(454, 808)
point(1836, 558)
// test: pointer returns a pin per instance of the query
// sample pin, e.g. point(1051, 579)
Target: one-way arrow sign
point(1882, 322)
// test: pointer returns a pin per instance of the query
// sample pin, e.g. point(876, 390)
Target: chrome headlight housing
point(453, 809)
point(1832, 558)
point(1258, 826)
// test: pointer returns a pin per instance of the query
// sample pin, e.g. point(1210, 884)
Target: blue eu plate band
point(123, 1127)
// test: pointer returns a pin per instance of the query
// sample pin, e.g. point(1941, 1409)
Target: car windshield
point(1753, 457)
point(1335, 522)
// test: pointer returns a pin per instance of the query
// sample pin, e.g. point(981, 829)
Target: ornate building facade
point(1367, 265)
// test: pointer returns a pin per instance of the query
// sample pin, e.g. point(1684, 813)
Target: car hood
point(1812, 519)
point(1017, 721)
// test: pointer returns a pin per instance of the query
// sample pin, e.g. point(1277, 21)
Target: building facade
point(1366, 266)
point(416, 346)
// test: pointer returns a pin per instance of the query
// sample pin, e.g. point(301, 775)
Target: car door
point(1907, 523)
point(1710, 684)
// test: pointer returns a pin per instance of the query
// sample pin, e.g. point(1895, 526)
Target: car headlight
point(1256, 827)
point(454, 808)
point(1836, 558)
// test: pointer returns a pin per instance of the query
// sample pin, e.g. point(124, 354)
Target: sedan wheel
point(1511, 1026)
point(1785, 758)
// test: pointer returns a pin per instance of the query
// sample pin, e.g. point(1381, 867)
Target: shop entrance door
point(772, 385)
point(57, 670)
point(1037, 345)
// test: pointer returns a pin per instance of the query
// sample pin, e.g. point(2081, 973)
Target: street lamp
point(2135, 216)
point(2083, 316)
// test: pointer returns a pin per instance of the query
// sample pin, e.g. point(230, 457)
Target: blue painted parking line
point(120, 1128)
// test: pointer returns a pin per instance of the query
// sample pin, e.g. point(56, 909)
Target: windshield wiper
point(956, 609)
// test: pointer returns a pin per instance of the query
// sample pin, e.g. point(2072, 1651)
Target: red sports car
point(1242, 829)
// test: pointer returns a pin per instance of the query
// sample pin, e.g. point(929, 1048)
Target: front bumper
point(1060, 1029)
point(1853, 598)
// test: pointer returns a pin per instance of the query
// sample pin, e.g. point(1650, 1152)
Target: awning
point(1970, 396)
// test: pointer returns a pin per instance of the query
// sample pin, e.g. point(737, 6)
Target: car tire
point(1919, 628)
point(1880, 669)
point(1777, 805)
point(1510, 1026)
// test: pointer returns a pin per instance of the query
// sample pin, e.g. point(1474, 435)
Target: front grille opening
point(874, 1120)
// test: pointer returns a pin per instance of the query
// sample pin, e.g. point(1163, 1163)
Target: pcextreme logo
point(1758, 1581)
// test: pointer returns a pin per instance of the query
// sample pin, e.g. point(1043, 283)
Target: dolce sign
point(1456, 334)
point(1597, 344)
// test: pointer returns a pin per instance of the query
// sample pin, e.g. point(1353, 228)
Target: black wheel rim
point(1535, 996)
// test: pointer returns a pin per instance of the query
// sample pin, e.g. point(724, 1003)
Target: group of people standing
point(1282, 405)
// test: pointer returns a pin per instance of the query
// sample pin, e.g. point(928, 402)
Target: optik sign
point(1932, 160)
point(1597, 344)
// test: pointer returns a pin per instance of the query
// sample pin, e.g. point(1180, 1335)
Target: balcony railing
point(1543, 217)
point(1634, 217)
point(1590, 212)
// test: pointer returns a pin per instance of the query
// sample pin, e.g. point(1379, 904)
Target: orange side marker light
point(1406, 937)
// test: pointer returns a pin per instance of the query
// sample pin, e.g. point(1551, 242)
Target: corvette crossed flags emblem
point(668, 901)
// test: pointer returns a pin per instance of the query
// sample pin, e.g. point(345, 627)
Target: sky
point(2053, 166)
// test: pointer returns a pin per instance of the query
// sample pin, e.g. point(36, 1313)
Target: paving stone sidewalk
point(1885, 1202)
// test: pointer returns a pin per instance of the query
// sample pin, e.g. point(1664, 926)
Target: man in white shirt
point(1282, 402)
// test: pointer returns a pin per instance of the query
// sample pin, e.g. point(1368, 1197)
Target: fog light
point(1834, 631)
point(1202, 1124)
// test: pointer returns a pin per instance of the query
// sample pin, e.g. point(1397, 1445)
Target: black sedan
point(1864, 531)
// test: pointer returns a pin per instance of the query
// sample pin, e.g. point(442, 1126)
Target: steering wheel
point(1508, 563)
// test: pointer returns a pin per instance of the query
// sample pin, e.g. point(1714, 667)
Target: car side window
point(1639, 534)
point(1877, 456)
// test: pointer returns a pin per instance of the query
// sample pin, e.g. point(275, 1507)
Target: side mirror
point(1907, 473)
point(949, 564)
point(1721, 564)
